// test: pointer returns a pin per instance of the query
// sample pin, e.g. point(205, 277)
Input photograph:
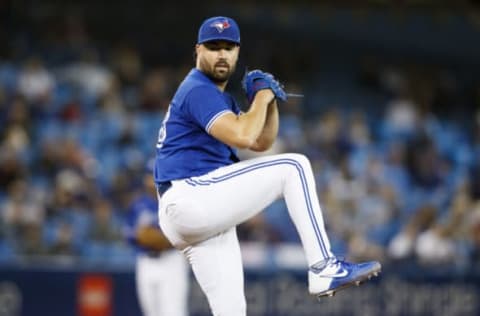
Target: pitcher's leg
point(302, 202)
point(217, 265)
point(242, 190)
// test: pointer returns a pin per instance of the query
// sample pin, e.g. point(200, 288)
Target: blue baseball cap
point(219, 28)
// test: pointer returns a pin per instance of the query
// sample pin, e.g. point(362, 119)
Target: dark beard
point(218, 77)
point(218, 80)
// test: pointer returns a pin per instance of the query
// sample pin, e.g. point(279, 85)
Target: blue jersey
point(142, 213)
point(185, 148)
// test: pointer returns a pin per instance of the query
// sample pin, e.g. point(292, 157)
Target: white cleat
point(336, 274)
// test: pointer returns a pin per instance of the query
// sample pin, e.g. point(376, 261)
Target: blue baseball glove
point(257, 80)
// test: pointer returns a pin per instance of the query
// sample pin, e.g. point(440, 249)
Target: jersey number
point(162, 132)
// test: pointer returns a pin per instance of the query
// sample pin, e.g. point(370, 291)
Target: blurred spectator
point(65, 226)
point(35, 82)
point(154, 91)
point(88, 74)
point(23, 216)
point(63, 242)
point(18, 113)
point(445, 241)
point(11, 168)
point(127, 64)
point(341, 194)
point(327, 137)
point(374, 222)
point(111, 101)
point(403, 244)
point(48, 159)
point(105, 227)
point(15, 137)
point(395, 173)
point(402, 118)
point(474, 233)
point(15, 140)
point(358, 131)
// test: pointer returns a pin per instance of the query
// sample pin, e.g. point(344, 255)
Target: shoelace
point(319, 266)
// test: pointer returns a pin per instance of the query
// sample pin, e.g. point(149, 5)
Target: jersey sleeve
point(235, 106)
point(204, 105)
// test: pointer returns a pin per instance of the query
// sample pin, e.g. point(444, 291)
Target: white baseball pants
point(199, 215)
point(162, 284)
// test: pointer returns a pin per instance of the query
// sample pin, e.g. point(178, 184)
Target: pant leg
point(162, 284)
point(146, 283)
point(217, 265)
point(172, 295)
point(198, 208)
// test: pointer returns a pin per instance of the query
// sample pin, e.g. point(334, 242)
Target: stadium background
point(391, 121)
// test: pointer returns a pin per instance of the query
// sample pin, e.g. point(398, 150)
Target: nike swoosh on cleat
point(339, 274)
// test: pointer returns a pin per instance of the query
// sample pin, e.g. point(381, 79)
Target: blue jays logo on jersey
point(220, 25)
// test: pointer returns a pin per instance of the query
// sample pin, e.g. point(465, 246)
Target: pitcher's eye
point(212, 46)
point(217, 45)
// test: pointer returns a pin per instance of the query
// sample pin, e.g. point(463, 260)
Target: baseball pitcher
point(205, 191)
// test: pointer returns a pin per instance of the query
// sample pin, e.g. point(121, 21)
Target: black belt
point(163, 187)
point(153, 254)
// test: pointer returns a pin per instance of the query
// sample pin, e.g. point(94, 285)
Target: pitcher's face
point(217, 59)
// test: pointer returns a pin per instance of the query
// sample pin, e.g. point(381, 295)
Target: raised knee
point(300, 158)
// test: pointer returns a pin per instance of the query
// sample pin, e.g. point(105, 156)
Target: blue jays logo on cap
point(219, 28)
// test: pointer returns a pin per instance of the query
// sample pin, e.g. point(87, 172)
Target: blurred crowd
point(397, 179)
point(401, 187)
